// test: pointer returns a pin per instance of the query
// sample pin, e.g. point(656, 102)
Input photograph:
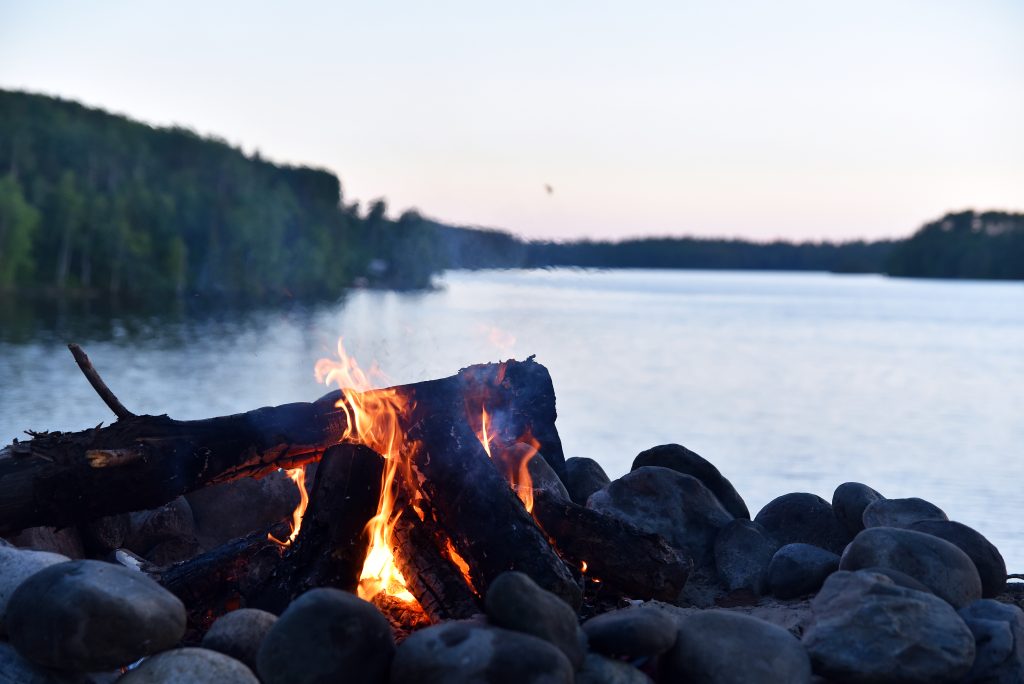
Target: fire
point(298, 476)
point(373, 419)
point(513, 460)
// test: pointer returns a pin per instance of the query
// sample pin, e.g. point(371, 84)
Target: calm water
point(787, 382)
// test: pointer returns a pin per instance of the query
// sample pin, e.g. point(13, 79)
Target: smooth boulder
point(631, 632)
point(516, 602)
point(676, 506)
point(463, 652)
point(600, 670)
point(16, 566)
point(867, 629)
point(802, 518)
point(900, 512)
point(192, 665)
point(722, 647)
point(849, 501)
point(583, 477)
point(239, 634)
point(799, 569)
point(16, 670)
point(939, 565)
point(743, 551)
point(998, 630)
point(326, 635)
point(88, 616)
point(986, 557)
point(681, 459)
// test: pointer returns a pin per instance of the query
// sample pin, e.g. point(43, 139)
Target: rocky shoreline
point(859, 589)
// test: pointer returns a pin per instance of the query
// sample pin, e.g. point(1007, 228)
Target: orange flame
point(513, 460)
point(373, 419)
point(298, 476)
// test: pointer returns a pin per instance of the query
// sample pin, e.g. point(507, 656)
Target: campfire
point(423, 494)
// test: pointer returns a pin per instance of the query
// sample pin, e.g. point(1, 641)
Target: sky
point(756, 119)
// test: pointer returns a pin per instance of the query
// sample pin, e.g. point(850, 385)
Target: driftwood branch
point(108, 397)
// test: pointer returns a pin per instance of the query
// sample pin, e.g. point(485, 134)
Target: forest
point(95, 204)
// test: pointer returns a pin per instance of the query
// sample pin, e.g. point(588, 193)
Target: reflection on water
point(787, 382)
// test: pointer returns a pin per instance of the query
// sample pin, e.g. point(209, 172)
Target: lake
point(786, 382)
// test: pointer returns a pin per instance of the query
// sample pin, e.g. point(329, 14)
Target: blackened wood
point(108, 397)
point(636, 564)
point(332, 541)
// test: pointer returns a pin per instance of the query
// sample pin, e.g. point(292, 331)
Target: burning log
point(631, 562)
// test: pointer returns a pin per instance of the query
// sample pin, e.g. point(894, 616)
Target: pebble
point(681, 459)
point(631, 632)
point(192, 665)
point(867, 629)
point(666, 502)
point(327, 635)
point(806, 519)
point(463, 652)
point(800, 569)
point(722, 647)
point(515, 602)
point(88, 616)
point(239, 634)
point(942, 567)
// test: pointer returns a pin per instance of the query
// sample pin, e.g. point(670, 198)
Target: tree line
point(95, 203)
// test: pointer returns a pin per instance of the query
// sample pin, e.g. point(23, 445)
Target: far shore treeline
point(94, 204)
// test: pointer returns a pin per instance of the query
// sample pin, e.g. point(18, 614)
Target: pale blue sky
point(800, 119)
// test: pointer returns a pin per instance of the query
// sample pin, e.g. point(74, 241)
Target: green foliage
point(18, 224)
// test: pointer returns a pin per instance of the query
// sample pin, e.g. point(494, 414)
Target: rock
point(543, 478)
point(88, 615)
point(16, 670)
point(147, 529)
point(900, 512)
point(515, 602)
point(192, 665)
point(802, 518)
point(239, 634)
point(986, 557)
point(461, 652)
point(16, 566)
point(800, 569)
point(174, 551)
point(583, 477)
point(327, 635)
point(669, 503)
point(233, 509)
point(682, 460)
point(600, 670)
point(743, 550)
point(998, 630)
point(721, 647)
point(631, 632)
point(849, 501)
point(898, 578)
point(66, 541)
point(867, 629)
point(946, 570)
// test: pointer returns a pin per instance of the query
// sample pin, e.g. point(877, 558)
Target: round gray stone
point(800, 569)
point(88, 615)
point(515, 602)
point(998, 630)
point(16, 670)
point(666, 502)
point(867, 629)
point(327, 635)
point(239, 634)
point(16, 566)
point(722, 647)
point(192, 665)
point(681, 459)
point(986, 557)
point(803, 518)
point(583, 477)
point(942, 567)
point(600, 670)
point(632, 632)
point(462, 652)
point(900, 512)
point(743, 551)
point(849, 501)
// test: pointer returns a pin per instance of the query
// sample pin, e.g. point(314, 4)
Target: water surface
point(787, 382)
